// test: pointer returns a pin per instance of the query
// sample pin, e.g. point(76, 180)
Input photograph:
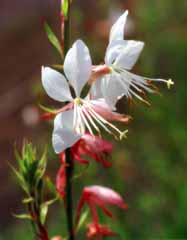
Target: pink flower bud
point(57, 238)
point(94, 147)
point(99, 196)
point(103, 195)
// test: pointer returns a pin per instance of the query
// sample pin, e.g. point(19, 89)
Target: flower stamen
point(103, 121)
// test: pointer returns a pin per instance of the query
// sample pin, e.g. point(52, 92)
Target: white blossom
point(121, 55)
point(84, 114)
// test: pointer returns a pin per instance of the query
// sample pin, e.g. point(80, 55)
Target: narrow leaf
point(23, 216)
point(43, 213)
point(20, 179)
point(27, 200)
point(52, 38)
point(65, 7)
point(50, 186)
point(82, 220)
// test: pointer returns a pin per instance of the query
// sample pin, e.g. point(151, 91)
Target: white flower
point(121, 56)
point(85, 114)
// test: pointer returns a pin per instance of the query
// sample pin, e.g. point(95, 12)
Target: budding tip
point(169, 83)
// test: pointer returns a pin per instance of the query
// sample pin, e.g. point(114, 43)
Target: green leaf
point(82, 220)
point(50, 186)
point(23, 216)
point(44, 209)
point(43, 212)
point(27, 200)
point(51, 201)
point(52, 38)
point(41, 167)
point(20, 179)
point(79, 175)
point(65, 8)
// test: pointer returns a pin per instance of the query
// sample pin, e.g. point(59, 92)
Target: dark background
point(149, 168)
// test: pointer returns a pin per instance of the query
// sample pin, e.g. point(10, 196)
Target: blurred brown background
point(150, 168)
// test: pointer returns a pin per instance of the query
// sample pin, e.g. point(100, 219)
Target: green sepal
point(46, 109)
point(53, 39)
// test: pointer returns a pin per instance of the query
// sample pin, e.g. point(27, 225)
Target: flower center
point(78, 101)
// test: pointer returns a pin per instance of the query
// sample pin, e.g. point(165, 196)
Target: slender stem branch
point(69, 200)
point(67, 30)
point(39, 230)
point(69, 161)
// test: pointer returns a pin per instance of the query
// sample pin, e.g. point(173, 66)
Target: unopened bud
point(57, 238)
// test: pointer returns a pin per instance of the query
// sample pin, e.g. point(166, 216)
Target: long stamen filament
point(75, 117)
point(86, 122)
point(91, 120)
point(103, 121)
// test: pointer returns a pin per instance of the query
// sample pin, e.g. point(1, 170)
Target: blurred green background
point(149, 168)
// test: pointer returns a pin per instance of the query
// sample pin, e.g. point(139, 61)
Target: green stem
point(67, 30)
point(69, 160)
point(33, 225)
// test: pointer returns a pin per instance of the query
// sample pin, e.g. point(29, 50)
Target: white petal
point(114, 49)
point(63, 135)
point(55, 85)
point(77, 66)
point(117, 30)
point(95, 90)
point(129, 55)
point(112, 89)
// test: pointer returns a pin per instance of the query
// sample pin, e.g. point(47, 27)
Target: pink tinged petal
point(129, 54)
point(77, 156)
point(94, 147)
point(102, 108)
point(49, 115)
point(98, 71)
point(97, 144)
point(105, 196)
point(63, 134)
point(61, 180)
point(117, 30)
point(55, 85)
point(77, 66)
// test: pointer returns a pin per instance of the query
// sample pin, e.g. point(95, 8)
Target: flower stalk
point(69, 161)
